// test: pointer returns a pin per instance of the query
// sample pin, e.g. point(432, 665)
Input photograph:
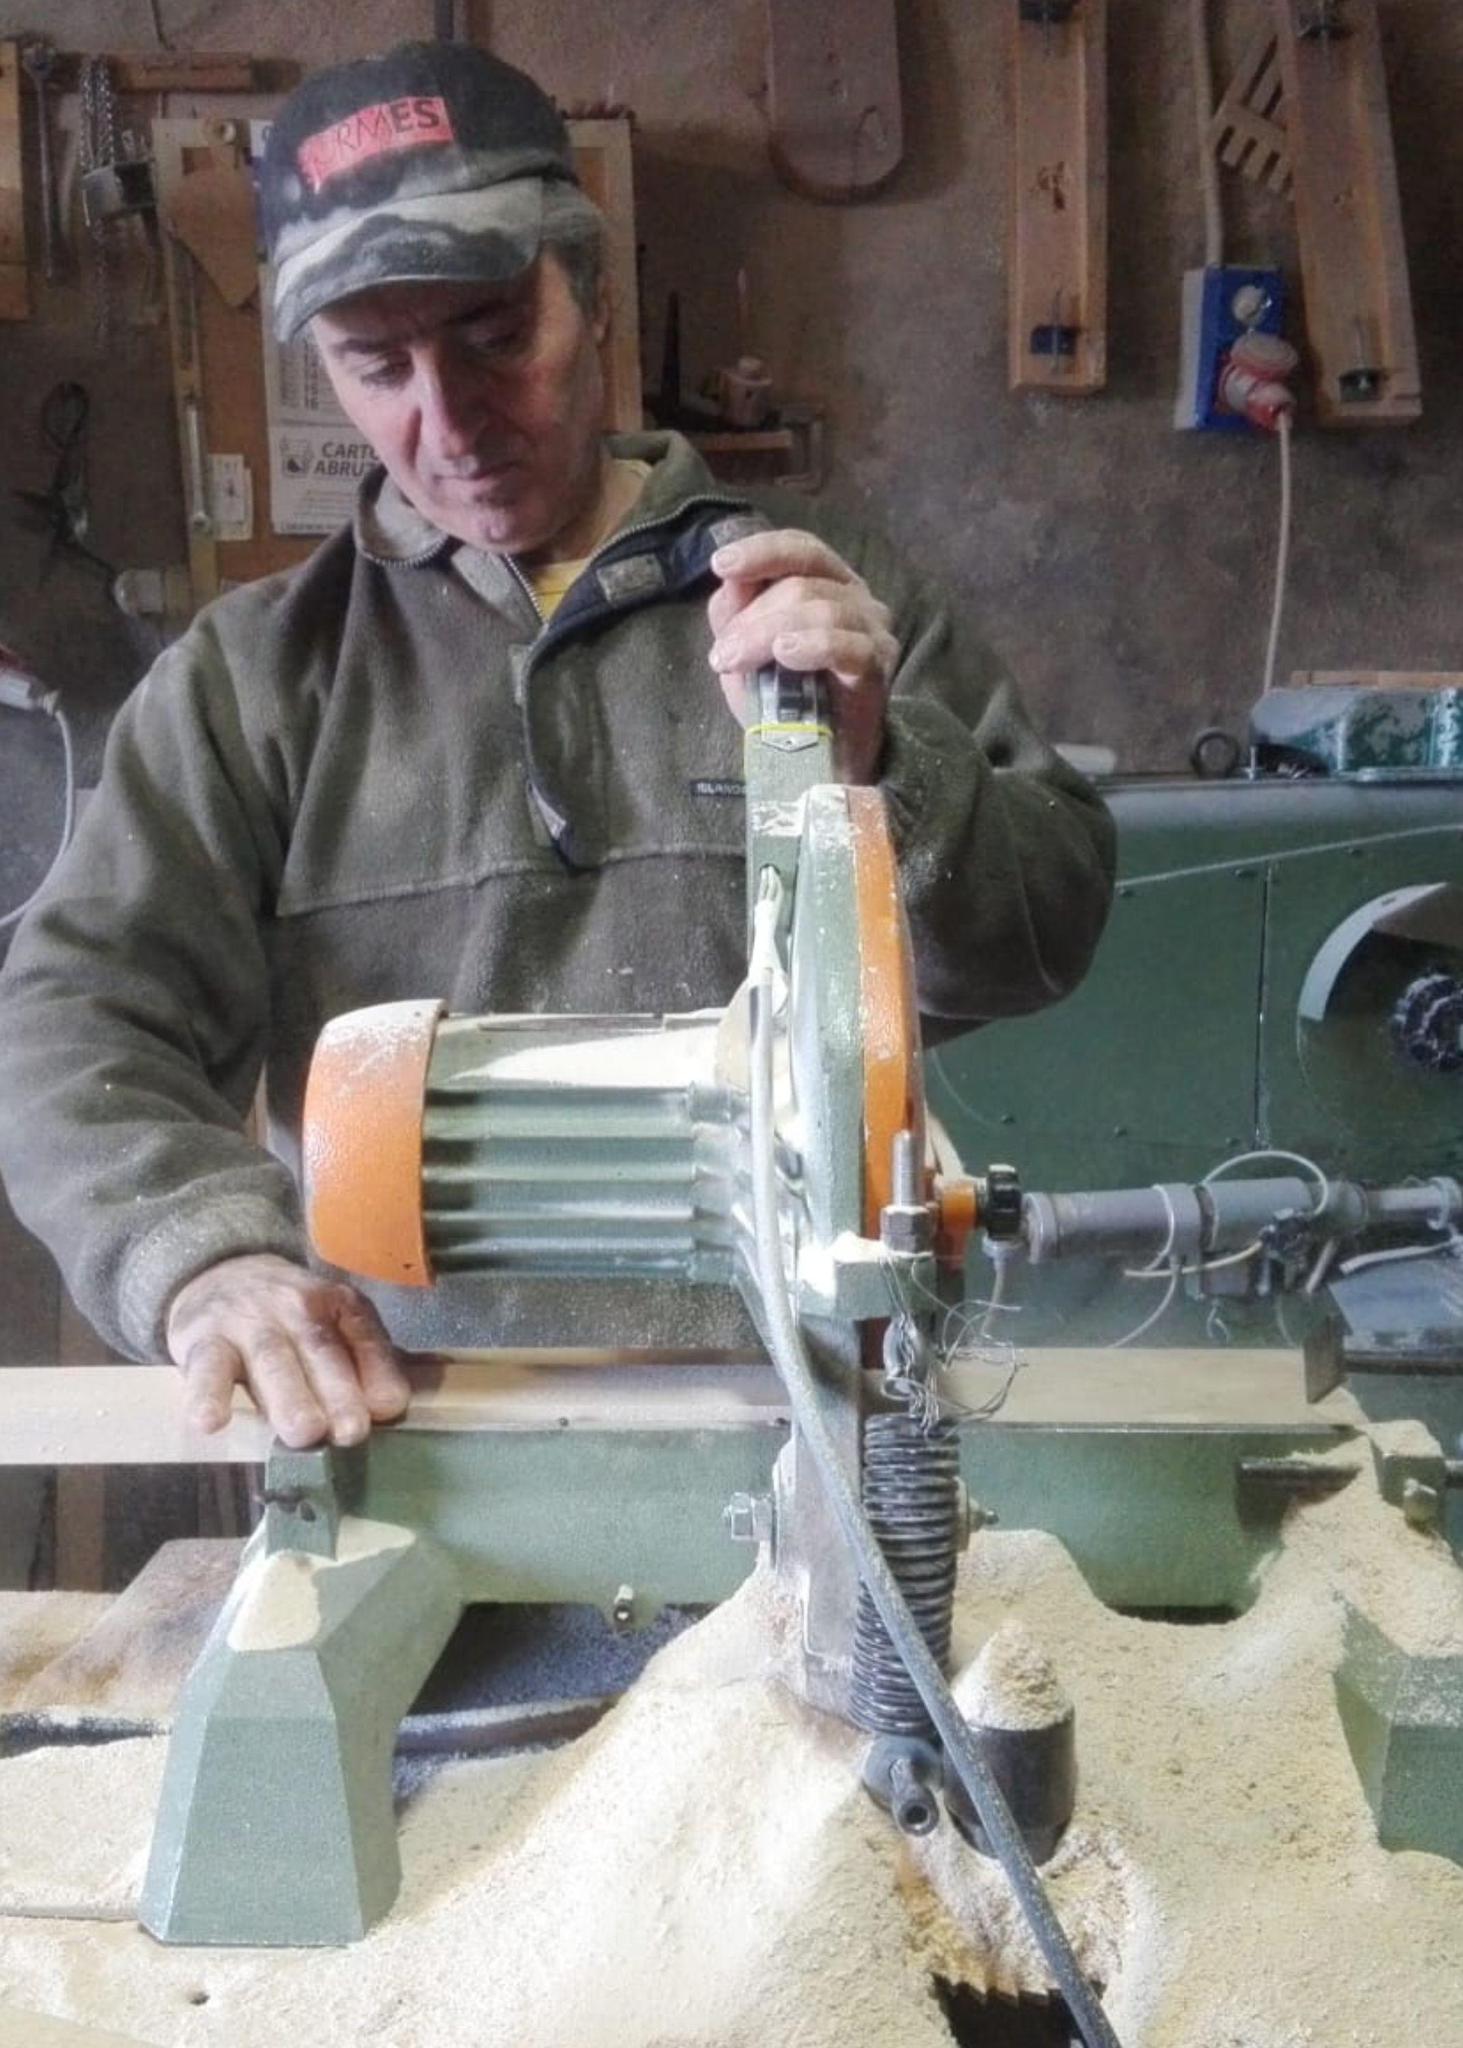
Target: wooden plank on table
point(1196, 1387)
point(129, 1414)
point(1358, 299)
point(14, 278)
point(132, 1660)
point(835, 116)
point(133, 1414)
point(1058, 238)
point(1375, 679)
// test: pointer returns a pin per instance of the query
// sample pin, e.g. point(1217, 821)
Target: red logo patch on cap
point(415, 123)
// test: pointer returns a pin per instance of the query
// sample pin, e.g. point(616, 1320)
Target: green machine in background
point(1283, 969)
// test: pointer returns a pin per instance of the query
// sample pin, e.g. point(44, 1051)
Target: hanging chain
point(99, 146)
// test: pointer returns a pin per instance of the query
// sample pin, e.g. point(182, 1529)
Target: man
point(474, 748)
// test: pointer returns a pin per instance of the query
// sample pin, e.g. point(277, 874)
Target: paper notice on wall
point(231, 497)
point(316, 457)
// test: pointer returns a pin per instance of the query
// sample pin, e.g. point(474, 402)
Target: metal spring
point(911, 1490)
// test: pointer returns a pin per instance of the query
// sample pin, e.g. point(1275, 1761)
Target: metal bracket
point(112, 190)
point(302, 1501)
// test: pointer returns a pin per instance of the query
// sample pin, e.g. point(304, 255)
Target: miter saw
point(779, 1147)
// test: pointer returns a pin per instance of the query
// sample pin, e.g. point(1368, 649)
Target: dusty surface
point(702, 1871)
point(35, 1628)
point(138, 1647)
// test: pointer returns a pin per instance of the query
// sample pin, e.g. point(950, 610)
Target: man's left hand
point(787, 597)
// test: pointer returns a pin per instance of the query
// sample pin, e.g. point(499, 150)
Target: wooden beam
point(1375, 679)
point(14, 280)
point(133, 1414)
point(149, 71)
point(1358, 302)
point(1058, 253)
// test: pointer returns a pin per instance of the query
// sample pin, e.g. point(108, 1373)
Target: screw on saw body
point(622, 1613)
point(39, 59)
point(293, 1499)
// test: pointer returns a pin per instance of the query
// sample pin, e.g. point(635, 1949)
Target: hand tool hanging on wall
point(1305, 113)
point(117, 188)
point(39, 58)
point(1058, 279)
point(63, 507)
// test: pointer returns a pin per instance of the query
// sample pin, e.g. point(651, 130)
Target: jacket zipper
point(559, 825)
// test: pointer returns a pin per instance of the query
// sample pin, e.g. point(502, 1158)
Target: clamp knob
point(1000, 1209)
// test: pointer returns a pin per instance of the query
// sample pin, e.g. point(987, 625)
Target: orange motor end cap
point(361, 1141)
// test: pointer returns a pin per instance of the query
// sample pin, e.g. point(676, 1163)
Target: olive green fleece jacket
point(381, 776)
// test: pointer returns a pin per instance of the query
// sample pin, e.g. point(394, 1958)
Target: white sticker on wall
point(231, 497)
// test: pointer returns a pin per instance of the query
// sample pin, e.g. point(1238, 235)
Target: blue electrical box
point(1219, 305)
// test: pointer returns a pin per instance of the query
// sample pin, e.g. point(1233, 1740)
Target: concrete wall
point(1122, 569)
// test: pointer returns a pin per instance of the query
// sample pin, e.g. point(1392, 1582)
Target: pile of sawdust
point(703, 1871)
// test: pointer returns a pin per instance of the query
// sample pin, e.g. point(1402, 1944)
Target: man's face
point(484, 401)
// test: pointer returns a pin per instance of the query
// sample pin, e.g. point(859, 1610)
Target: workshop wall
point(1122, 569)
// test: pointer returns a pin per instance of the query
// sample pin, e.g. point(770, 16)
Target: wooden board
point(603, 158)
point(14, 281)
point(151, 71)
point(217, 345)
point(833, 105)
point(1375, 679)
point(131, 1662)
point(1358, 301)
point(1058, 240)
point(129, 1414)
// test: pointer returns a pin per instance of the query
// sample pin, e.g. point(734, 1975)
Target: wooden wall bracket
point(1058, 262)
point(1348, 213)
point(14, 282)
point(833, 106)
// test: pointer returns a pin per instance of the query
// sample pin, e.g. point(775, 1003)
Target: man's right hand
point(313, 1352)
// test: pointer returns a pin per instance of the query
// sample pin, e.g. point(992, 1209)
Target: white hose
point(1282, 554)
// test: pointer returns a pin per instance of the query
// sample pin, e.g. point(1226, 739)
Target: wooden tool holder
point(1348, 214)
point(14, 283)
point(1058, 267)
point(834, 115)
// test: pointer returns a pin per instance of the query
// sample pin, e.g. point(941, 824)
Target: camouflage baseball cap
point(429, 162)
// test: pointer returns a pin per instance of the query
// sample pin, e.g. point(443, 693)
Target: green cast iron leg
point(275, 1826)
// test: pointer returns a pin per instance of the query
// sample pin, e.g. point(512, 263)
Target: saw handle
point(789, 701)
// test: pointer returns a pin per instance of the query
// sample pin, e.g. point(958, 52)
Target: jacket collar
point(390, 530)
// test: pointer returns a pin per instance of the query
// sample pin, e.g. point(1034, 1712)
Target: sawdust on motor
point(703, 1871)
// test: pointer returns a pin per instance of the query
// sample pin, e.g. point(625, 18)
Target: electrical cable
point(785, 1343)
point(1204, 108)
point(1282, 553)
point(68, 815)
point(1158, 1314)
point(1401, 1251)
